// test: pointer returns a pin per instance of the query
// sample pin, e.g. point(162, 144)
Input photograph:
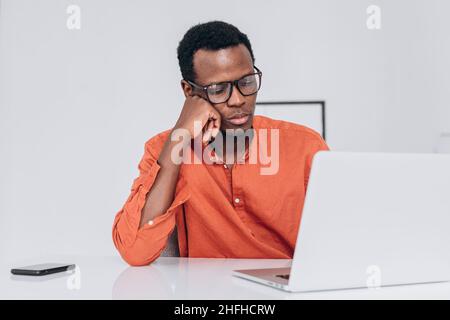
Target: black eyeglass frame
point(234, 83)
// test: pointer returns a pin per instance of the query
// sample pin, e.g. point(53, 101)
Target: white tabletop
point(177, 278)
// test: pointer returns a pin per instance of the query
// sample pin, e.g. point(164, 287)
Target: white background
point(76, 107)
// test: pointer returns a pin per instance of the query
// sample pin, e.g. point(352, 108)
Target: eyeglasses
point(220, 92)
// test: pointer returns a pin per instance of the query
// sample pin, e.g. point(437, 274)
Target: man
point(222, 206)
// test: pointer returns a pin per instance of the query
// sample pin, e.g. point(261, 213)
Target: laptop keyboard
point(284, 276)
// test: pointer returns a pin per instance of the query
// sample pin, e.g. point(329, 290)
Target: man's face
point(226, 65)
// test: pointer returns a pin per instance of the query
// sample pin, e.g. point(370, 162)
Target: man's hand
point(162, 192)
point(198, 109)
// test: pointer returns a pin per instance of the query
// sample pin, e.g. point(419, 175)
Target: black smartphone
point(42, 269)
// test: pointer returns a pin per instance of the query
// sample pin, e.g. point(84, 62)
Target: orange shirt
point(223, 213)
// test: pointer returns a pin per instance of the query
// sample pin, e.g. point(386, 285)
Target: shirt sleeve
point(316, 145)
point(142, 246)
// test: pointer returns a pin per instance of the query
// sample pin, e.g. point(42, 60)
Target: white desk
point(177, 278)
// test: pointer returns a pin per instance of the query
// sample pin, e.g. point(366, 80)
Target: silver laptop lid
point(374, 219)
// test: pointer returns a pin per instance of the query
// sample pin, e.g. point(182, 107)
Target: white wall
point(77, 106)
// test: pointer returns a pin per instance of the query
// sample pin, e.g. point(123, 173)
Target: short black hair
point(213, 35)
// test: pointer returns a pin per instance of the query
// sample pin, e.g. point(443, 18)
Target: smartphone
point(42, 269)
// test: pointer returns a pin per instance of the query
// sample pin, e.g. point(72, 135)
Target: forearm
point(162, 193)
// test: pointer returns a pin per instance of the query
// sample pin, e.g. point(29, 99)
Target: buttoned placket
point(232, 174)
point(237, 198)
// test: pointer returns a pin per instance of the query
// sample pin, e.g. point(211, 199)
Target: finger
point(216, 125)
point(205, 125)
point(210, 125)
point(208, 131)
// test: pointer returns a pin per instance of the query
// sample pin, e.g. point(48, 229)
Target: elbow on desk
point(135, 257)
point(136, 261)
point(134, 254)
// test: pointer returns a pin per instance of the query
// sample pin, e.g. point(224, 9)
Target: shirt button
point(225, 166)
point(150, 222)
point(237, 200)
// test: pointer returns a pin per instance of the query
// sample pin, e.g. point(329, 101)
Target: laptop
point(369, 220)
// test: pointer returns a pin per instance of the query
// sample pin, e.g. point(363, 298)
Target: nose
point(236, 98)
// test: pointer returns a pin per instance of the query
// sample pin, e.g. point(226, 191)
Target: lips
point(239, 119)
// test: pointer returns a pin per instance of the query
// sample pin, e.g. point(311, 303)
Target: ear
point(187, 88)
